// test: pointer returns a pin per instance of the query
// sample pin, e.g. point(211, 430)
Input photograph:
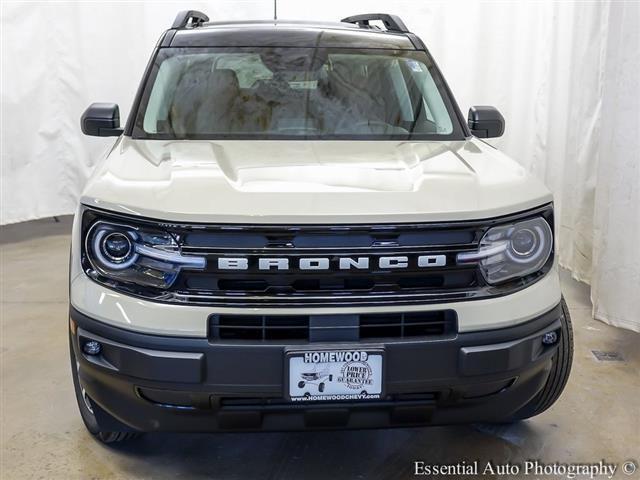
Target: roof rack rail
point(391, 22)
point(193, 18)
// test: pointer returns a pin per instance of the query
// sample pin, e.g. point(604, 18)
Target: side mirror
point(485, 122)
point(101, 120)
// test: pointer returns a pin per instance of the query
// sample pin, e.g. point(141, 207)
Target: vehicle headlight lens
point(117, 246)
point(113, 249)
point(132, 254)
point(523, 242)
point(512, 251)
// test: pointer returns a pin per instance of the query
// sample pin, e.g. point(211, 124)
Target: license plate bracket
point(330, 375)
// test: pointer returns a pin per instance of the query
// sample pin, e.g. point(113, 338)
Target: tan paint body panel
point(311, 181)
point(306, 182)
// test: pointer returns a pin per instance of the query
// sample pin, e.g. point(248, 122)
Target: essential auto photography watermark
point(529, 468)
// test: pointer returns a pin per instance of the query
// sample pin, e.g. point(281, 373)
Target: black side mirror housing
point(485, 122)
point(101, 120)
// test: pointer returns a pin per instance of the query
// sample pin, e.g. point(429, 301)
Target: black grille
point(261, 327)
point(330, 282)
point(304, 327)
point(329, 237)
point(374, 285)
point(401, 325)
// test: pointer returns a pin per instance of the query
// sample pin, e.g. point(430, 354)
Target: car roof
point(287, 33)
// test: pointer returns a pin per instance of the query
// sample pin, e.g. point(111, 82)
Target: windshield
point(281, 93)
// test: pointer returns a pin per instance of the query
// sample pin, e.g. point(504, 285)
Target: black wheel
point(330, 377)
point(87, 409)
point(321, 387)
point(300, 384)
point(560, 370)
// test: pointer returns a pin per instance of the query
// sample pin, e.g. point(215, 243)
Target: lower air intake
point(300, 327)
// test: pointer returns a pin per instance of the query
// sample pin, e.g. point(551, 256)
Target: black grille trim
point(374, 326)
point(296, 289)
point(403, 325)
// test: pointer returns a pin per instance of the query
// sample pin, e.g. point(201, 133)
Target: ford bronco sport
point(297, 229)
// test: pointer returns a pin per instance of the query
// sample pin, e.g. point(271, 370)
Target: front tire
point(87, 408)
point(560, 370)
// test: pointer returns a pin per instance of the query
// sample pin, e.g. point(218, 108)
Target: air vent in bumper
point(309, 328)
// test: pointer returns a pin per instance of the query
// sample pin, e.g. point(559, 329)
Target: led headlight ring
point(116, 246)
point(532, 253)
point(106, 258)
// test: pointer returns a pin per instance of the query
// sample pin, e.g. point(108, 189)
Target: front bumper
point(160, 383)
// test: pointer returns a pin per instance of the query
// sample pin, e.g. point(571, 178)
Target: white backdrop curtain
point(564, 74)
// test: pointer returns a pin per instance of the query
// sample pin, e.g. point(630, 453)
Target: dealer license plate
point(334, 375)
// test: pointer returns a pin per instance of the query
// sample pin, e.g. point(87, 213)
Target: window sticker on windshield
point(415, 66)
point(304, 85)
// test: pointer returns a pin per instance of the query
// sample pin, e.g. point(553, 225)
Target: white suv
point(297, 229)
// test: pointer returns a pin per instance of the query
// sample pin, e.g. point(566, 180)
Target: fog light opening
point(92, 347)
point(550, 338)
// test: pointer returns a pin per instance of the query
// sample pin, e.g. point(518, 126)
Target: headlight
point(133, 254)
point(512, 251)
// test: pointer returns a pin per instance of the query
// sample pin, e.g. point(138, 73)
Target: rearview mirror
point(485, 122)
point(101, 120)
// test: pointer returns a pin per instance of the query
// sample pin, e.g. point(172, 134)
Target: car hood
point(298, 181)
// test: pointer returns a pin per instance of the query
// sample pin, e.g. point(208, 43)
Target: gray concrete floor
point(597, 417)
